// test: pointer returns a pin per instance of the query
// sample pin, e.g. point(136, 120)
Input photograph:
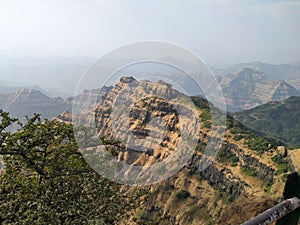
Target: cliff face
point(294, 159)
point(238, 175)
point(252, 162)
point(144, 116)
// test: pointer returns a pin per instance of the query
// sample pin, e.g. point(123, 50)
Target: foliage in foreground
point(46, 180)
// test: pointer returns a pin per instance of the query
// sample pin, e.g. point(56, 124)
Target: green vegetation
point(238, 137)
point(112, 146)
point(46, 180)
point(192, 210)
point(224, 197)
point(142, 215)
point(199, 212)
point(181, 195)
point(268, 187)
point(280, 120)
point(283, 166)
point(234, 164)
point(205, 115)
point(259, 144)
point(248, 171)
point(200, 102)
point(226, 157)
point(254, 141)
point(200, 147)
point(205, 118)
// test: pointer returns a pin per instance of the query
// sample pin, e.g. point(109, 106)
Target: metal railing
point(275, 213)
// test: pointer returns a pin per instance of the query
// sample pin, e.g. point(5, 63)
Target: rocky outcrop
point(145, 117)
point(261, 170)
point(65, 117)
point(221, 179)
point(294, 159)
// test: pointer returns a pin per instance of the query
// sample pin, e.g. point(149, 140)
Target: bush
point(283, 167)
point(248, 171)
point(192, 210)
point(226, 157)
point(259, 144)
point(181, 195)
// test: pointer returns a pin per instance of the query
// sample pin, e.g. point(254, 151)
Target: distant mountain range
point(288, 72)
point(57, 76)
point(245, 85)
point(248, 88)
point(8, 87)
point(26, 102)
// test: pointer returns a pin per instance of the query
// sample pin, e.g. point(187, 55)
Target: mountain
point(248, 88)
point(26, 102)
point(280, 120)
point(57, 76)
point(288, 72)
point(8, 87)
point(245, 178)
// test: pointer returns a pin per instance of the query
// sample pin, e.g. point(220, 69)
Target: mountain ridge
point(245, 169)
point(26, 102)
point(290, 72)
point(248, 88)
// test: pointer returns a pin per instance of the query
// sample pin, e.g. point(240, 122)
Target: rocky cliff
point(240, 175)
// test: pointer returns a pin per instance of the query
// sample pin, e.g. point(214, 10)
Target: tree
point(46, 180)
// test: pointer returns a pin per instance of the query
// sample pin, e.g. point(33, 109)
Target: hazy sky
point(219, 31)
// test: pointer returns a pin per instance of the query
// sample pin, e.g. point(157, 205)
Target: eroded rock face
point(281, 152)
point(261, 170)
point(148, 118)
point(221, 179)
point(65, 117)
point(294, 159)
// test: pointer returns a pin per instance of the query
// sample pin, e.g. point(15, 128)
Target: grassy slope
point(280, 120)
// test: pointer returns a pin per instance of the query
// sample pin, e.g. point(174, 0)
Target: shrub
point(181, 195)
point(248, 171)
point(283, 167)
point(224, 156)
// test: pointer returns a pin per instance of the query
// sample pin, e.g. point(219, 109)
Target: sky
point(221, 32)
